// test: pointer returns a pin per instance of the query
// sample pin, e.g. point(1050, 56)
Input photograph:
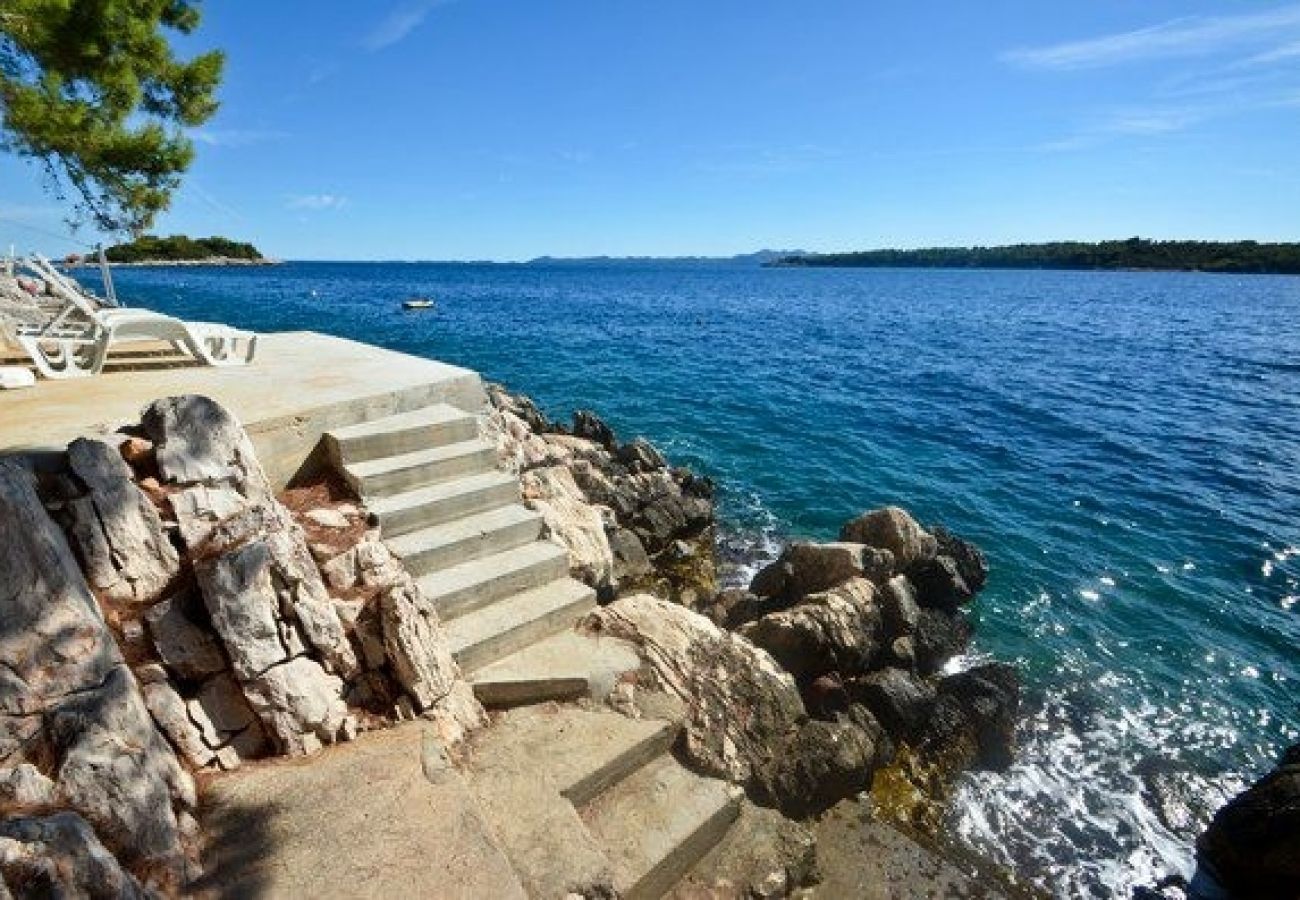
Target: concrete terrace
point(300, 385)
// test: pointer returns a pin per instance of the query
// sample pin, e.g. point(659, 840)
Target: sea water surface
point(1124, 446)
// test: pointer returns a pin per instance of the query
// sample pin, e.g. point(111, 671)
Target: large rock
point(835, 631)
point(187, 648)
point(892, 528)
point(971, 564)
point(741, 708)
point(586, 424)
point(1252, 846)
point(69, 703)
point(823, 763)
point(198, 441)
point(806, 568)
point(974, 719)
point(115, 529)
point(421, 661)
point(117, 771)
point(939, 583)
point(52, 634)
point(60, 856)
point(571, 521)
point(940, 635)
point(898, 604)
point(900, 701)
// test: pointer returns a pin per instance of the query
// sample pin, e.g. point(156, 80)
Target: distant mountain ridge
point(759, 258)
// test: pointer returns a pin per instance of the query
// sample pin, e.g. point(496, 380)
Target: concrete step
point(566, 666)
point(393, 474)
point(472, 537)
point(432, 426)
point(498, 629)
point(461, 589)
point(444, 502)
point(657, 823)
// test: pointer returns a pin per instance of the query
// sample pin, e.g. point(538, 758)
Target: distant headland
point(182, 250)
point(1136, 254)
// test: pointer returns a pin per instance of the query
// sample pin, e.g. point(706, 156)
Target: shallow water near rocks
point(1124, 446)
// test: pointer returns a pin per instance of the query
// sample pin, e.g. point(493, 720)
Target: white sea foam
point(1073, 812)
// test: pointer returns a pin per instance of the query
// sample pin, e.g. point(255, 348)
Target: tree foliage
point(1134, 253)
point(180, 247)
point(92, 90)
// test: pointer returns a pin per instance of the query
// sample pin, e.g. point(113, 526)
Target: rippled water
point(1124, 446)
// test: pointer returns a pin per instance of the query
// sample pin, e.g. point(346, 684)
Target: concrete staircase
point(432, 484)
point(574, 796)
point(580, 797)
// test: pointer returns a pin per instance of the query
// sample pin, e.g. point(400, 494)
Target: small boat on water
point(417, 303)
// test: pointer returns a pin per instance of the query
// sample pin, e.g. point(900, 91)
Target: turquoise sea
point(1125, 447)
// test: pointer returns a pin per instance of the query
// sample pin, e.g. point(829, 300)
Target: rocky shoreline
point(165, 617)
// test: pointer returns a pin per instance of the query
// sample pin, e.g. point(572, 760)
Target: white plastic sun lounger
point(75, 343)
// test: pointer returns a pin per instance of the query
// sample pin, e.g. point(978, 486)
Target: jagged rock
point(341, 572)
point(417, 649)
point(60, 856)
point(268, 605)
point(740, 707)
point(734, 607)
point(1252, 846)
point(265, 595)
point(184, 646)
point(893, 529)
point(824, 763)
point(24, 787)
point(631, 564)
point(198, 441)
point(974, 719)
point(224, 717)
point(115, 528)
point(939, 583)
point(116, 770)
point(939, 636)
point(52, 635)
point(300, 705)
point(835, 631)
point(971, 563)
point(640, 455)
point(171, 715)
point(572, 522)
point(898, 604)
point(807, 568)
point(901, 702)
point(586, 424)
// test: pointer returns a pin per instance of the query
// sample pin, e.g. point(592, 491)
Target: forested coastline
point(1132, 254)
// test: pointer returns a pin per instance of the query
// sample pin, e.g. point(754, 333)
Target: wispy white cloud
point(235, 137)
point(316, 202)
point(1189, 36)
point(399, 23)
point(1283, 53)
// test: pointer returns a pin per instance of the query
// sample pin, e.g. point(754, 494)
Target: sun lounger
point(76, 341)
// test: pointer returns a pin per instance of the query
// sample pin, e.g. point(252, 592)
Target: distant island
point(179, 249)
point(1132, 254)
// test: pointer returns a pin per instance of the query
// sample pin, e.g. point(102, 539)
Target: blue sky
point(505, 129)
